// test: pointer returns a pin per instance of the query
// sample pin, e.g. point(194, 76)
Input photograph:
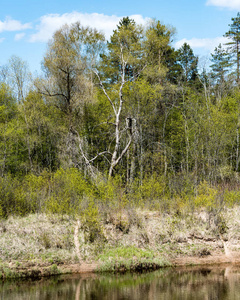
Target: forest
point(129, 122)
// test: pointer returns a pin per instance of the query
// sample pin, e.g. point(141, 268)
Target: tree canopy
point(133, 108)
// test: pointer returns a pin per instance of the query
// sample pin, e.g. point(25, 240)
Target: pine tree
point(234, 45)
point(220, 69)
point(188, 62)
point(220, 63)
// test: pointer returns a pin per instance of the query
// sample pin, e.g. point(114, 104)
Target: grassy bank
point(42, 245)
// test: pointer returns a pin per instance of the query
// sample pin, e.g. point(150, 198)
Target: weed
point(45, 240)
point(54, 269)
point(129, 259)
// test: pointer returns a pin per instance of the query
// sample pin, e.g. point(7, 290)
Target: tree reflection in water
point(188, 283)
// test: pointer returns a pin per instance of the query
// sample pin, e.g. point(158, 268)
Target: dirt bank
point(38, 270)
point(41, 245)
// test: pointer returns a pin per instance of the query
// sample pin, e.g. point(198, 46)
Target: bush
point(36, 190)
point(112, 194)
point(231, 198)
point(12, 197)
point(91, 223)
point(68, 189)
point(207, 196)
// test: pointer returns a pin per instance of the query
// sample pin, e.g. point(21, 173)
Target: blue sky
point(27, 25)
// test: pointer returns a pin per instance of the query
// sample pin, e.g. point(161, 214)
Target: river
point(172, 283)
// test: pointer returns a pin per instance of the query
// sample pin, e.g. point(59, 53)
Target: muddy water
point(191, 283)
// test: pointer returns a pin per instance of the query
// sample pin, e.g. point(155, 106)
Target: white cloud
point(13, 25)
point(232, 4)
point(19, 36)
point(50, 23)
point(206, 44)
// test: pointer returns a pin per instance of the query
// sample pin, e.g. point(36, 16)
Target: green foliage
point(157, 48)
point(68, 189)
point(8, 112)
point(188, 63)
point(12, 198)
point(220, 64)
point(73, 50)
point(114, 195)
point(129, 252)
point(231, 198)
point(91, 223)
point(42, 136)
point(54, 269)
point(207, 196)
point(129, 258)
point(63, 192)
point(153, 191)
point(234, 43)
point(36, 190)
point(184, 148)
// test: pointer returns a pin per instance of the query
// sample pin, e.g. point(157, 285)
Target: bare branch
point(99, 154)
point(105, 92)
point(124, 151)
point(52, 95)
point(88, 162)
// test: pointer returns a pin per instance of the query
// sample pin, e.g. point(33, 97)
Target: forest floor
point(43, 245)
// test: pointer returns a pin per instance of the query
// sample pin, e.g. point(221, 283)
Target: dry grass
point(49, 239)
point(37, 237)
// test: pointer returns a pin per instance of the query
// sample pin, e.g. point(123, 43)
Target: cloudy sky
point(27, 25)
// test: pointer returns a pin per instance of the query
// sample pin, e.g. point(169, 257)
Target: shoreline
point(36, 270)
point(45, 245)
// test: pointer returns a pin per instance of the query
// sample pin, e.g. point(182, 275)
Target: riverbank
point(36, 270)
point(44, 245)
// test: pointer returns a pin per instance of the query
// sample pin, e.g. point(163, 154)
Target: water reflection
point(192, 283)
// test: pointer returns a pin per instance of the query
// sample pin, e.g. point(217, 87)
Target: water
point(192, 283)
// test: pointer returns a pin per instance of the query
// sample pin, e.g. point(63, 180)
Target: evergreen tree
point(234, 45)
point(220, 69)
point(188, 63)
point(125, 41)
point(220, 64)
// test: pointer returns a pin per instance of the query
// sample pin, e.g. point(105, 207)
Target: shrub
point(91, 223)
point(68, 189)
point(12, 197)
point(207, 196)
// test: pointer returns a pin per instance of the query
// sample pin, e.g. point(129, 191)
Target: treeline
point(130, 119)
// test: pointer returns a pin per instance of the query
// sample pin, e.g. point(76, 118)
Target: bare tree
point(19, 76)
point(117, 110)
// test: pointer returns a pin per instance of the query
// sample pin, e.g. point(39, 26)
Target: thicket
point(131, 123)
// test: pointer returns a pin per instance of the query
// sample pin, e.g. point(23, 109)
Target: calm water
point(205, 283)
